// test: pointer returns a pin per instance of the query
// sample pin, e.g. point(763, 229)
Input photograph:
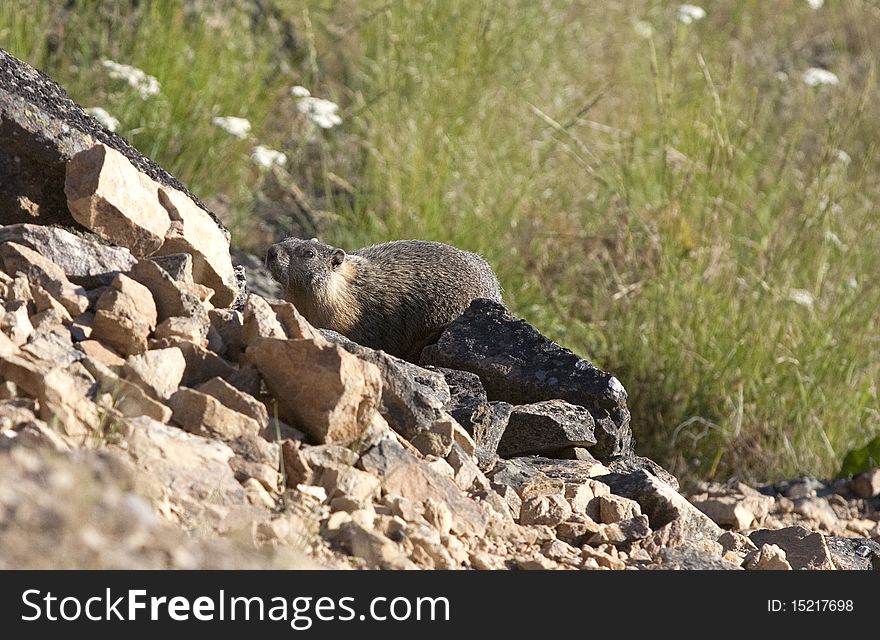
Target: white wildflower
point(238, 127)
point(107, 121)
point(300, 92)
point(688, 13)
point(814, 77)
point(266, 157)
point(815, 4)
point(801, 297)
point(852, 283)
point(781, 76)
point(834, 239)
point(643, 29)
point(842, 156)
point(321, 112)
point(145, 85)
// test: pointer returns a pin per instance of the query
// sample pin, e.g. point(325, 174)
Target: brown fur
point(397, 296)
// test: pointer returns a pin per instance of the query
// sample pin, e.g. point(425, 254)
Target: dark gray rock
point(85, 259)
point(413, 398)
point(466, 395)
point(546, 427)
point(177, 265)
point(691, 558)
point(861, 554)
point(41, 128)
point(518, 365)
point(489, 421)
point(628, 464)
point(661, 503)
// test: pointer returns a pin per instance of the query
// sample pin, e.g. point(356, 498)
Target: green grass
point(656, 203)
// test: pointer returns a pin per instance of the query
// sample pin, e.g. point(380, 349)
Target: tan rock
point(804, 549)
point(172, 298)
point(294, 324)
point(236, 400)
point(296, 465)
point(265, 474)
point(348, 481)
point(202, 414)
point(15, 321)
point(125, 314)
point(99, 352)
point(18, 258)
point(617, 508)
point(108, 195)
point(201, 364)
point(183, 328)
point(545, 509)
point(158, 371)
point(127, 397)
point(260, 321)
point(867, 484)
point(193, 231)
point(375, 549)
point(331, 394)
point(736, 543)
point(740, 512)
point(621, 532)
point(768, 557)
point(602, 559)
point(577, 532)
point(43, 302)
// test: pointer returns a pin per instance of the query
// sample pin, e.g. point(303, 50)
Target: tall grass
point(671, 200)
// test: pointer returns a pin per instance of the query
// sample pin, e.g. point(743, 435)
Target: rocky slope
point(153, 413)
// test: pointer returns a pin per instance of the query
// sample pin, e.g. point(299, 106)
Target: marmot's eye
point(309, 254)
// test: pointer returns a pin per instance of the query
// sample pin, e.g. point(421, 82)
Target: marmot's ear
point(337, 257)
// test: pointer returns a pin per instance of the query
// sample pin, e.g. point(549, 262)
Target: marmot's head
point(303, 267)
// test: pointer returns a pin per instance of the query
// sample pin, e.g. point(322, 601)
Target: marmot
point(398, 296)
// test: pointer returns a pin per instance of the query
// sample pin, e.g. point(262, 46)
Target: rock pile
point(155, 414)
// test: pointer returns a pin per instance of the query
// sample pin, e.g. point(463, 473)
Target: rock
point(236, 400)
point(202, 414)
point(375, 549)
point(518, 365)
point(488, 423)
point(265, 474)
point(628, 464)
point(177, 265)
point(803, 548)
point(616, 508)
point(768, 558)
point(854, 553)
point(201, 364)
point(194, 231)
point(128, 398)
point(602, 559)
point(41, 128)
point(661, 503)
point(621, 532)
point(331, 394)
point(158, 371)
point(99, 352)
point(867, 484)
point(546, 427)
point(413, 398)
point(691, 558)
point(125, 315)
point(404, 474)
point(677, 534)
point(260, 321)
point(84, 260)
point(292, 321)
point(817, 510)
point(172, 298)
point(466, 394)
point(545, 509)
point(739, 512)
point(518, 472)
point(15, 321)
point(733, 542)
point(182, 328)
point(340, 480)
point(109, 196)
point(467, 474)
point(229, 325)
point(18, 258)
point(577, 532)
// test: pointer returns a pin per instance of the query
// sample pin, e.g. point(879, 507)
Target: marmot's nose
point(272, 254)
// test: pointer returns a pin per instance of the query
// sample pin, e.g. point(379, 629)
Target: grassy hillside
point(673, 200)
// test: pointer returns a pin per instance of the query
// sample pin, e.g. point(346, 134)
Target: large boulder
point(518, 365)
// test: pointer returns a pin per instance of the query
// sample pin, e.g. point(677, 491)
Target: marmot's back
point(397, 296)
